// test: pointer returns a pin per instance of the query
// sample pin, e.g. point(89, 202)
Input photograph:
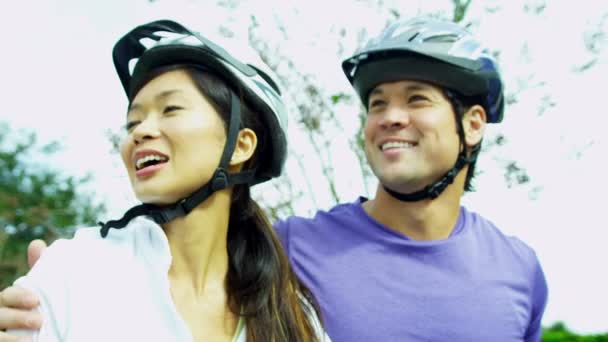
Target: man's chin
point(402, 185)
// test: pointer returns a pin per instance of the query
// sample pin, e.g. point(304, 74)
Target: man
point(412, 264)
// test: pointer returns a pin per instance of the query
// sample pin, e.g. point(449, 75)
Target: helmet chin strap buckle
point(432, 191)
point(219, 181)
point(435, 190)
point(167, 214)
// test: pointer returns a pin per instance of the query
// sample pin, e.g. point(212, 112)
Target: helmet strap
point(221, 179)
point(435, 189)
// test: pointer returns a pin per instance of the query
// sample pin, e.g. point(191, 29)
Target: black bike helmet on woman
point(164, 43)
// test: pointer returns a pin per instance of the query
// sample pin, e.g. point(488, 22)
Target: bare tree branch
point(460, 9)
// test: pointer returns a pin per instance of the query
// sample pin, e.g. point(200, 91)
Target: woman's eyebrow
point(164, 94)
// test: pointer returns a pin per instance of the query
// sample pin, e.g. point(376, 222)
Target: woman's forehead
point(167, 84)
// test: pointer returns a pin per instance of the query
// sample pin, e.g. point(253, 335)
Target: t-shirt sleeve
point(281, 229)
point(539, 302)
point(48, 280)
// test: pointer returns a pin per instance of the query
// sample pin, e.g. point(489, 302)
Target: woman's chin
point(156, 199)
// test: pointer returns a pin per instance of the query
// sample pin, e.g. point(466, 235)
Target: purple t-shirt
point(375, 284)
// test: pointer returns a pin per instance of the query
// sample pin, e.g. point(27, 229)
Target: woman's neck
point(198, 246)
point(199, 267)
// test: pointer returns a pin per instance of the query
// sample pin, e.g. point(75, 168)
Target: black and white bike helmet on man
point(164, 43)
point(438, 52)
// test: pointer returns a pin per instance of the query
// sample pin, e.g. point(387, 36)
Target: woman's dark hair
point(261, 285)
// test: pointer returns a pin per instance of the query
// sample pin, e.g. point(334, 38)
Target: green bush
point(558, 332)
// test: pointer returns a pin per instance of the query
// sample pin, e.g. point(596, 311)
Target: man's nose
point(395, 117)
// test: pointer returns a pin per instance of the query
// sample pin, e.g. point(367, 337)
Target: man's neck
point(420, 220)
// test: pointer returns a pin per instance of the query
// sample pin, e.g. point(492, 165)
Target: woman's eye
point(169, 109)
point(130, 125)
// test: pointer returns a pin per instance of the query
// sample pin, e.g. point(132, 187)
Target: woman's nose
point(147, 129)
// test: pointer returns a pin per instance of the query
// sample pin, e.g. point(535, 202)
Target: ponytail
point(261, 285)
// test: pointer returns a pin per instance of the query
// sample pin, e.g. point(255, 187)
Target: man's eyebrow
point(375, 91)
point(164, 94)
point(417, 87)
point(409, 88)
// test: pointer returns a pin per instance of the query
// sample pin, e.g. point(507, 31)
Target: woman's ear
point(246, 143)
point(474, 125)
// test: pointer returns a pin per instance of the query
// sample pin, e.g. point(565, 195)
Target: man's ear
point(246, 143)
point(474, 125)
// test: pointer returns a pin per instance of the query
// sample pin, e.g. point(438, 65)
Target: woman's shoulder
point(65, 250)
point(82, 280)
point(85, 250)
point(86, 242)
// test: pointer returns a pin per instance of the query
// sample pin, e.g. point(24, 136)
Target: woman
point(198, 260)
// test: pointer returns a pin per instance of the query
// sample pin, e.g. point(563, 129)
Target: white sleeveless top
point(112, 289)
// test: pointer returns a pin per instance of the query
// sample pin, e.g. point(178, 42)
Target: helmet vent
point(147, 42)
point(413, 37)
point(132, 63)
point(443, 38)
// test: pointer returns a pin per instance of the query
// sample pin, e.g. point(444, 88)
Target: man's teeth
point(141, 161)
point(396, 144)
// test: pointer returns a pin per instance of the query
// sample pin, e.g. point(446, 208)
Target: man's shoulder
point(324, 225)
point(491, 236)
point(320, 219)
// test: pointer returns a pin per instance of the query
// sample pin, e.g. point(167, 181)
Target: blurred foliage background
point(36, 201)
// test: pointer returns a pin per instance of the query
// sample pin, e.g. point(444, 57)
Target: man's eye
point(417, 98)
point(376, 103)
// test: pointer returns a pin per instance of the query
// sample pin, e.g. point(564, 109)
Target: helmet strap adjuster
point(219, 181)
point(432, 191)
